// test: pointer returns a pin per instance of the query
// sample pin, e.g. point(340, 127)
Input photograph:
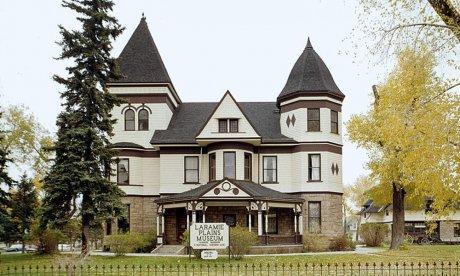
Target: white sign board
point(209, 254)
point(209, 236)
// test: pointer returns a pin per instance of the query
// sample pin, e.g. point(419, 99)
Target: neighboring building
point(352, 226)
point(447, 229)
point(274, 167)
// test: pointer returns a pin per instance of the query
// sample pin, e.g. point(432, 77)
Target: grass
point(415, 254)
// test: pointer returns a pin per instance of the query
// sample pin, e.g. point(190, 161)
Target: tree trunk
point(23, 242)
point(447, 11)
point(397, 229)
point(85, 223)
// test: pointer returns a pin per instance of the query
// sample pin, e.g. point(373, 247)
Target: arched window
point(130, 120)
point(143, 123)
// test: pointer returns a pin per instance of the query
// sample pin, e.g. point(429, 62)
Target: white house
point(273, 167)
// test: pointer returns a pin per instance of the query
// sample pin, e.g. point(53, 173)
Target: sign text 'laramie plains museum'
point(273, 167)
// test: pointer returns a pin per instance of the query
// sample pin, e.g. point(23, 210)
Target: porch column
point(162, 224)
point(188, 220)
point(250, 222)
point(300, 223)
point(266, 222)
point(259, 223)
point(204, 216)
point(158, 224)
point(295, 223)
point(193, 217)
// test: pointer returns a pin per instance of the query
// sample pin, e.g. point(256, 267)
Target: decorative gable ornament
point(288, 121)
point(293, 120)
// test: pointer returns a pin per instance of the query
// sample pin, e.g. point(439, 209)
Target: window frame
point(310, 120)
point(265, 216)
point(456, 229)
point(118, 172)
point(212, 168)
point(248, 167)
point(139, 120)
point(128, 220)
point(230, 215)
point(335, 122)
point(310, 168)
point(309, 226)
point(197, 170)
point(263, 169)
point(234, 163)
point(134, 119)
point(230, 130)
point(226, 125)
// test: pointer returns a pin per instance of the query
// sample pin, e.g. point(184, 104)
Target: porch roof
point(254, 190)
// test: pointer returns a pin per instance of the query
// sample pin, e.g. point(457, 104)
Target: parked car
point(64, 247)
point(31, 248)
point(14, 248)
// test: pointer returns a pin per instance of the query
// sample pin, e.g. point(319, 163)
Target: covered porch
point(274, 216)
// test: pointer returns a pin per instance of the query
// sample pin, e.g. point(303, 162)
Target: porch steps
point(167, 249)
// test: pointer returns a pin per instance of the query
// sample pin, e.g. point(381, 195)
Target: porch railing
point(441, 268)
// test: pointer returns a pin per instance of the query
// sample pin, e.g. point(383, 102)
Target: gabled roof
point(254, 190)
point(309, 75)
point(189, 118)
point(140, 61)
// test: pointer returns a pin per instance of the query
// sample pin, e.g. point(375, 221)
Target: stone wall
point(331, 213)
point(143, 214)
point(446, 231)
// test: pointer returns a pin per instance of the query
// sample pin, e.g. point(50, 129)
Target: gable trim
point(217, 106)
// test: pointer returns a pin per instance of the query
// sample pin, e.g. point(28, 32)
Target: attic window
point(228, 125)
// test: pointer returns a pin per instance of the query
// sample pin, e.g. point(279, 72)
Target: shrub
point(315, 243)
point(186, 241)
point(241, 241)
point(46, 240)
point(130, 243)
point(374, 234)
point(342, 243)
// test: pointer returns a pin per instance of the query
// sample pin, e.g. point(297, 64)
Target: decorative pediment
point(227, 108)
point(226, 189)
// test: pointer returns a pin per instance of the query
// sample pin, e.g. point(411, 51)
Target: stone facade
point(446, 231)
point(142, 216)
point(331, 213)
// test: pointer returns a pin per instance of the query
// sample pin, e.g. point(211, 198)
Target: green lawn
point(431, 253)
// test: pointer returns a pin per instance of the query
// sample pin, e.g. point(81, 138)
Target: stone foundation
point(446, 231)
point(331, 213)
point(143, 214)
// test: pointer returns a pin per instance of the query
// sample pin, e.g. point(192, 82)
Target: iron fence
point(442, 268)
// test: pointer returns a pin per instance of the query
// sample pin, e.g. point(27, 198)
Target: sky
point(208, 47)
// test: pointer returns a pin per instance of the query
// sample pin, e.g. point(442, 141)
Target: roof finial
point(143, 16)
point(309, 44)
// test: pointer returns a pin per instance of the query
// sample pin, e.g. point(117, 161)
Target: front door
point(181, 222)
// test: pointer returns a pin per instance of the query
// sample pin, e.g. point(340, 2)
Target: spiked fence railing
point(441, 268)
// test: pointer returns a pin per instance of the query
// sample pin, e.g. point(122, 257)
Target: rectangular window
point(124, 221)
point(230, 219)
point(313, 121)
point(108, 227)
point(212, 166)
point(223, 126)
point(334, 122)
point(457, 229)
point(230, 165)
point(270, 169)
point(191, 169)
point(314, 217)
point(272, 226)
point(248, 166)
point(314, 167)
point(123, 171)
point(253, 221)
point(233, 125)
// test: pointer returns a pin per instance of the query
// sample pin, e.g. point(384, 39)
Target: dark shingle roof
point(189, 118)
point(256, 191)
point(140, 61)
point(127, 145)
point(310, 74)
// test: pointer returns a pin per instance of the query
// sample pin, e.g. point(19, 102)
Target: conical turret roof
point(309, 76)
point(140, 61)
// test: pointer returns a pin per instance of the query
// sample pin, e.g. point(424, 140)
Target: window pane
point(313, 126)
point(143, 120)
point(229, 164)
point(129, 120)
point(313, 119)
point(269, 175)
point(272, 224)
point(191, 163)
point(270, 169)
point(191, 175)
point(247, 166)
point(123, 171)
point(269, 162)
point(233, 125)
point(212, 167)
point(315, 174)
point(223, 125)
point(191, 169)
point(314, 217)
point(313, 114)
point(314, 160)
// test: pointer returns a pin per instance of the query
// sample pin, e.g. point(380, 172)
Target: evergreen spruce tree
point(24, 207)
point(5, 201)
point(78, 182)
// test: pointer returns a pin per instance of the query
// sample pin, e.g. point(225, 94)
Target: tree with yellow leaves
point(412, 134)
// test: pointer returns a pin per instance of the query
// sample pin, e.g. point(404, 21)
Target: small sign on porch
point(209, 254)
point(209, 236)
